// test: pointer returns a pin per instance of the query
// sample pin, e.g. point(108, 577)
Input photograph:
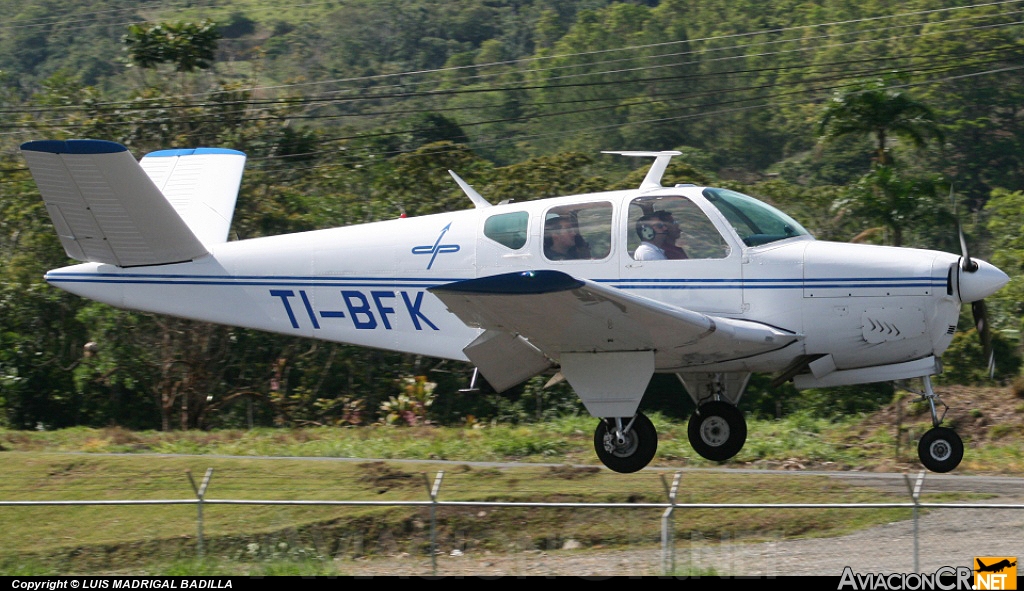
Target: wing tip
point(194, 152)
point(73, 147)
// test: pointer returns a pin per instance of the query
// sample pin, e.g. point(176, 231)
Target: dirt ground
point(949, 537)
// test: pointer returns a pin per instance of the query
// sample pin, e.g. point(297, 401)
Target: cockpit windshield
point(756, 222)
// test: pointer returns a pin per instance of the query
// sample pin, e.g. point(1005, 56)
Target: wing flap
point(505, 360)
point(105, 208)
point(559, 314)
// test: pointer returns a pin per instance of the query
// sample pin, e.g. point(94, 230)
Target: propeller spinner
point(976, 280)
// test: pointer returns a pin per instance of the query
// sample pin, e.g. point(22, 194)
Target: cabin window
point(666, 228)
point(508, 229)
point(578, 232)
point(756, 222)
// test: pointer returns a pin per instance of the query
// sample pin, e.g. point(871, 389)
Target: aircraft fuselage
point(604, 288)
point(861, 305)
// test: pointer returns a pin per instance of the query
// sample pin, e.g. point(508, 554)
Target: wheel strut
point(620, 431)
point(940, 449)
point(930, 395)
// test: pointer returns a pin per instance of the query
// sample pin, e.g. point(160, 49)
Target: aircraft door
point(675, 254)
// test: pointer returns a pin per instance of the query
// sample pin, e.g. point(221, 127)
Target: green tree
point(880, 112)
point(981, 113)
point(40, 339)
point(418, 183)
point(895, 202)
point(185, 45)
point(1005, 213)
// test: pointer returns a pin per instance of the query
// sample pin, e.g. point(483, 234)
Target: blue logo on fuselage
point(437, 247)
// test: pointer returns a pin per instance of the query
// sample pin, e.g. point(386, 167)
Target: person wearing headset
point(658, 233)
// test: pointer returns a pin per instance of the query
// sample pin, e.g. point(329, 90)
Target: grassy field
point(335, 464)
point(152, 538)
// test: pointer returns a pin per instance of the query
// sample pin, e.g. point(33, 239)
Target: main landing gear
point(626, 444)
point(940, 448)
point(717, 430)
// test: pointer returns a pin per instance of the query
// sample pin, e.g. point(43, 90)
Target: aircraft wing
point(555, 314)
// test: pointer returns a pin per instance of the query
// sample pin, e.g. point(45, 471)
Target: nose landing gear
point(940, 448)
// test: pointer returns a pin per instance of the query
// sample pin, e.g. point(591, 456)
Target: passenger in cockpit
point(562, 240)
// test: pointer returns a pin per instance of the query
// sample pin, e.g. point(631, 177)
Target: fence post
point(668, 540)
point(915, 494)
point(432, 491)
point(200, 494)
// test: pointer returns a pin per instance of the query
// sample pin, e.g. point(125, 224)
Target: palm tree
point(881, 112)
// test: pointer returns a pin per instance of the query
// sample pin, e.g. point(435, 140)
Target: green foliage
point(39, 338)
point(1005, 215)
point(881, 112)
point(187, 46)
point(891, 203)
point(536, 403)
point(840, 401)
point(411, 405)
point(965, 362)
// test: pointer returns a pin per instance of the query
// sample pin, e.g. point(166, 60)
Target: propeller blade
point(966, 263)
point(980, 283)
point(981, 323)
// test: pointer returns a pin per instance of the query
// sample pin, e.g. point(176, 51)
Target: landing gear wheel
point(940, 449)
point(629, 451)
point(717, 430)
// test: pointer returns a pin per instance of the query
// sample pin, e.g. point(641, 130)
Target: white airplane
point(601, 289)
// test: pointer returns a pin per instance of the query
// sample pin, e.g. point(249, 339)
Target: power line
point(548, 85)
point(842, 66)
point(332, 99)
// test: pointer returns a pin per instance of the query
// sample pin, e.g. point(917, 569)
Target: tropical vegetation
point(872, 121)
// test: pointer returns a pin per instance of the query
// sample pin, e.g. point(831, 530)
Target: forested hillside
point(860, 119)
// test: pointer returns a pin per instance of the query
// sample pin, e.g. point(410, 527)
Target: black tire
point(940, 449)
point(717, 431)
point(641, 443)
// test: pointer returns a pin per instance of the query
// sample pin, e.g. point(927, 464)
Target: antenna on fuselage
point(477, 199)
point(661, 160)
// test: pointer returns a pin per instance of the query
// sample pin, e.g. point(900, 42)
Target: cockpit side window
point(508, 229)
point(580, 231)
point(667, 228)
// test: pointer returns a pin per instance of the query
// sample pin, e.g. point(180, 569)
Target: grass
point(810, 441)
point(568, 439)
point(104, 539)
point(332, 464)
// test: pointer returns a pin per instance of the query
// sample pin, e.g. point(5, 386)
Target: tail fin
point(108, 208)
point(105, 208)
point(202, 186)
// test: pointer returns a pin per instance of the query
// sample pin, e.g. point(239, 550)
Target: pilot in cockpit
point(562, 240)
point(658, 232)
